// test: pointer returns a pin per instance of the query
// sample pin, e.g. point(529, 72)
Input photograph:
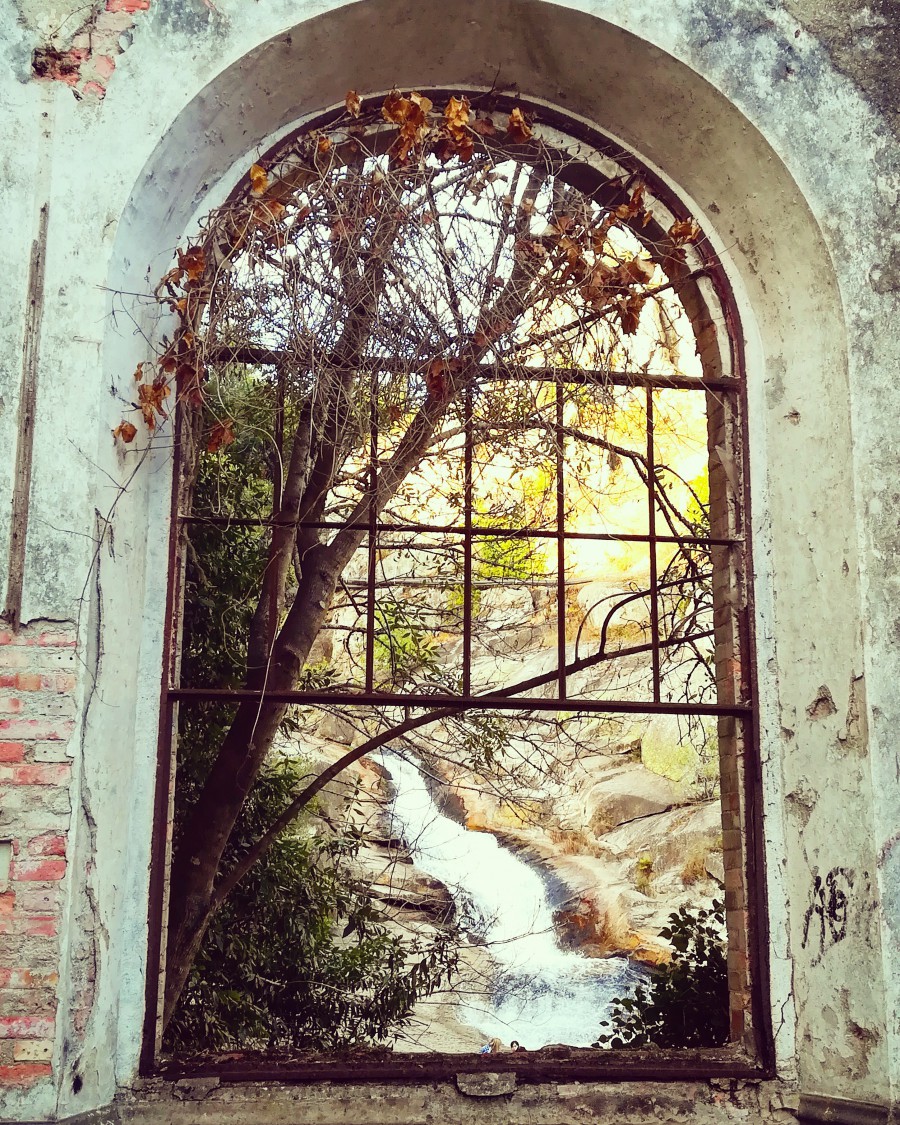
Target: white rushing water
point(542, 994)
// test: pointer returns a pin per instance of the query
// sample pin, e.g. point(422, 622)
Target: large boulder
point(629, 792)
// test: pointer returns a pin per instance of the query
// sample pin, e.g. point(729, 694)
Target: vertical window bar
point(373, 533)
point(467, 546)
point(651, 532)
point(560, 543)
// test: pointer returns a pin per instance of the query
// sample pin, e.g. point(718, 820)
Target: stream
point(540, 994)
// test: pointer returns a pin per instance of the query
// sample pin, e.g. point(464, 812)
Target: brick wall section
point(86, 58)
point(37, 708)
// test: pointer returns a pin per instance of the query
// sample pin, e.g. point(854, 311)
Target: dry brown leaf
point(268, 213)
point(638, 270)
point(484, 127)
point(456, 114)
point(353, 102)
point(395, 108)
point(518, 130)
point(125, 432)
point(259, 180)
point(193, 262)
point(685, 230)
point(150, 399)
point(139, 372)
point(221, 435)
point(424, 104)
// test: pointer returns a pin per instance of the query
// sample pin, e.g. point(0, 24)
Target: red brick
point(28, 681)
point(35, 899)
point(38, 870)
point(57, 640)
point(23, 1074)
point(25, 978)
point(26, 1027)
point(12, 751)
point(45, 773)
point(127, 5)
point(29, 927)
point(7, 904)
point(48, 843)
point(10, 706)
point(33, 1050)
point(6, 638)
point(7, 681)
point(35, 728)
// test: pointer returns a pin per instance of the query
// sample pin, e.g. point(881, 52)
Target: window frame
point(750, 1052)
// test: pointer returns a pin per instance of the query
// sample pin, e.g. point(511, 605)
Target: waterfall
point(540, 994)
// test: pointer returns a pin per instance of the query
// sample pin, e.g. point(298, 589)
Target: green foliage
point(297, 956)
point(404, 644)
point(685, 1003)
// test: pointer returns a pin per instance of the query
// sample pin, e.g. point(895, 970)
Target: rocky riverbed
point(618, 847)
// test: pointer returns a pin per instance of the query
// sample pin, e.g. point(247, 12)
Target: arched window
point(462, 524)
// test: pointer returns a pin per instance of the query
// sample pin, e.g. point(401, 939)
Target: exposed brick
point(35, 728)
point(105, 65)
point(29, 681)
point(48, 843)
point(7, 904)
point(40, 774)
point(56, 640)
point(43, 953)
point(42, 926)
point(49, 751)
point(26, 1027)
point(127, 5)
point(25, 978)
point(38, 870)
point(12, 751)
point(33, 1003)
point(8, 681)
point(23, 1074)
point(10, 705)
point(33, 1050)
point(38, 898)
point(6, 638)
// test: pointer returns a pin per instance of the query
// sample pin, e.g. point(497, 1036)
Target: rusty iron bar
point(652, 540)
point(458, 702)
point(259, 355)
point(372, 545)
point(456, 529)
point(560, 539)
point(468, 489)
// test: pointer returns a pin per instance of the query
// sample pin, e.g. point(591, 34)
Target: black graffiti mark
point(828, 908)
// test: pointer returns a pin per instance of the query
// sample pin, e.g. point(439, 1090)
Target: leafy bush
point(685, 1003)
point(297, 956)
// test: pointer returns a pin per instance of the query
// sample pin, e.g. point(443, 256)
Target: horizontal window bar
point(252, 354)
point(456, 702)
point(451, 529)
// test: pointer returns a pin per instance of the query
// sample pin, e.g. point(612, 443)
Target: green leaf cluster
point(685, 1003)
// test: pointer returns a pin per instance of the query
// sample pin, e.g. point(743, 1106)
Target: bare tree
point(403, 283)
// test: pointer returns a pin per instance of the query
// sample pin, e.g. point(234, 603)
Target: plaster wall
point(793, 170)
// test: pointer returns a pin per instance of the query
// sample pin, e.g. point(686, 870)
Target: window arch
point(545, 357)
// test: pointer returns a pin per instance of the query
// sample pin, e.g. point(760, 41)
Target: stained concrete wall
point(776, 122)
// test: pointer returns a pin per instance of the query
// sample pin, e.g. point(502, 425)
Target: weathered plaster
point(795, 174)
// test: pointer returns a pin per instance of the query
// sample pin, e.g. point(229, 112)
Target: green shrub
point(685, 1003)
